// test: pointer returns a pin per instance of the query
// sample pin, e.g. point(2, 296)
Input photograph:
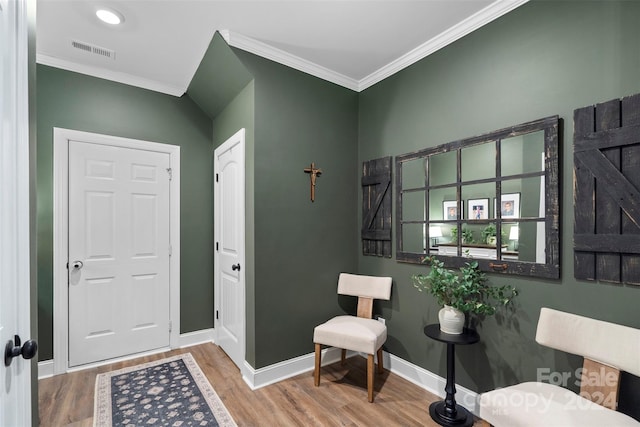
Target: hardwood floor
point(341, 399)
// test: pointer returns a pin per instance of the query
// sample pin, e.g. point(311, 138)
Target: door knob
point(77, 264)
point(235, 267)
point(11, 350)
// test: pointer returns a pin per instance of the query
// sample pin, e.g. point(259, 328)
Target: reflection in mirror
point(491, 197)
point(413, 174)
point(478, 162)
point(526, 241)
point(523, 153)
point(413, 205)
point(442, 169)
point(413, 238)
point(522, 198)
point(479, 240)
point(442, 204)
point(435, 234)
point(478, 200)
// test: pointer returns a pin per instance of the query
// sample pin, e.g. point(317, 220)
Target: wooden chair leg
point(316, 371)
point(380, 363)
point(370, 377)
point(343, 356)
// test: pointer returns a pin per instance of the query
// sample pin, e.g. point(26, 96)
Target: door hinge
point(170, 250)
point(170, 326)
point(216, 177)
point(217, 246)
point(170, 172)
point(217, 317)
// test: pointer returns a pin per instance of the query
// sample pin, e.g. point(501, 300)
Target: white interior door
point(229, 195)
point(119, 251)
point(15, 379)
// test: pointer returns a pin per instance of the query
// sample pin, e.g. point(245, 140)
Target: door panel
point(99, 233)
point(229, 245)
point(119, 231)
point(229, 262)
point(144, 225)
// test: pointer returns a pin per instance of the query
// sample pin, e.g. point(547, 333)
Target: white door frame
point(61, 138)
point(230, 142)
point(15, 173)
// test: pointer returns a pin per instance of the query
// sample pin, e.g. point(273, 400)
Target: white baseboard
point(257, 378)
point(431, 382)
point(196, 337)
point(46, 367)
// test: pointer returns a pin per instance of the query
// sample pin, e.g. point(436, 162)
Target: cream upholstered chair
point(361, 333)
point(607, 349)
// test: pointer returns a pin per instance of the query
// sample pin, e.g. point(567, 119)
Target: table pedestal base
point(461, 418)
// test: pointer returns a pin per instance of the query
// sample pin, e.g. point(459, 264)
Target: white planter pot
point(451, 320)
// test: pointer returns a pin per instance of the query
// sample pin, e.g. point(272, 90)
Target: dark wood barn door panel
point(607, 191)
point(376, 207)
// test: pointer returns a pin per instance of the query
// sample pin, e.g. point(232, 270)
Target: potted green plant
point(467, 235)
point(489, 234)
point(460, 292)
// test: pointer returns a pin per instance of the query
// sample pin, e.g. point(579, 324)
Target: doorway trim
point(61, 138)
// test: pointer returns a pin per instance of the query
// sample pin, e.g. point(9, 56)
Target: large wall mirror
point(492, 197)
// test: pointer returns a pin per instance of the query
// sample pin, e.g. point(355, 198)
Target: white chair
point(361, 333)
point(607, 349)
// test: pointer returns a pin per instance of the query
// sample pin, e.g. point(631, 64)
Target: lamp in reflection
point(514, 235)
point(434, 232)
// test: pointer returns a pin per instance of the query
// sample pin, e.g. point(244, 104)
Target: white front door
point(119, 251)
point(15, 379)
point(229, 194)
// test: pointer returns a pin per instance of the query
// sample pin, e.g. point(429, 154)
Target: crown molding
point(495, 10)
point(280, 56)
point(115, 76)
point(472, 23)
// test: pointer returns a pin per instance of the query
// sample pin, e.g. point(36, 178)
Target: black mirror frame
point(551, 268)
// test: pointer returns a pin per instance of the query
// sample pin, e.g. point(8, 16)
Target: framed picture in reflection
point(509, 205)
point(478, 208)
point(450, 210)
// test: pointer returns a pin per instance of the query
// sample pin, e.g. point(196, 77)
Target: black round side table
point(448, 412)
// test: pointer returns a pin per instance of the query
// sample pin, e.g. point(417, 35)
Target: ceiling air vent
point(96, 50)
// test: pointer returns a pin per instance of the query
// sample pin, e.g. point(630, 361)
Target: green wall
point(544, 58)
point(220, 77)
point(295, 249)
point(300, 246)
point(75, 101)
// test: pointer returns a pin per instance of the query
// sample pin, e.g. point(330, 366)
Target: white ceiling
point(353, 43)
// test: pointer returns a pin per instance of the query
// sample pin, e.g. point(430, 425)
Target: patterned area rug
point(169, 392)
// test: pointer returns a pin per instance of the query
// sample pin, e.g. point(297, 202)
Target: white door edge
point(231, 141)
point(15, 192)
point(61, 138)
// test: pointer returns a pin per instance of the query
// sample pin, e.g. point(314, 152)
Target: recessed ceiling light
point(110, 16)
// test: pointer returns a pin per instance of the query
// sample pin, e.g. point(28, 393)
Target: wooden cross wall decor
point(313, 174)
